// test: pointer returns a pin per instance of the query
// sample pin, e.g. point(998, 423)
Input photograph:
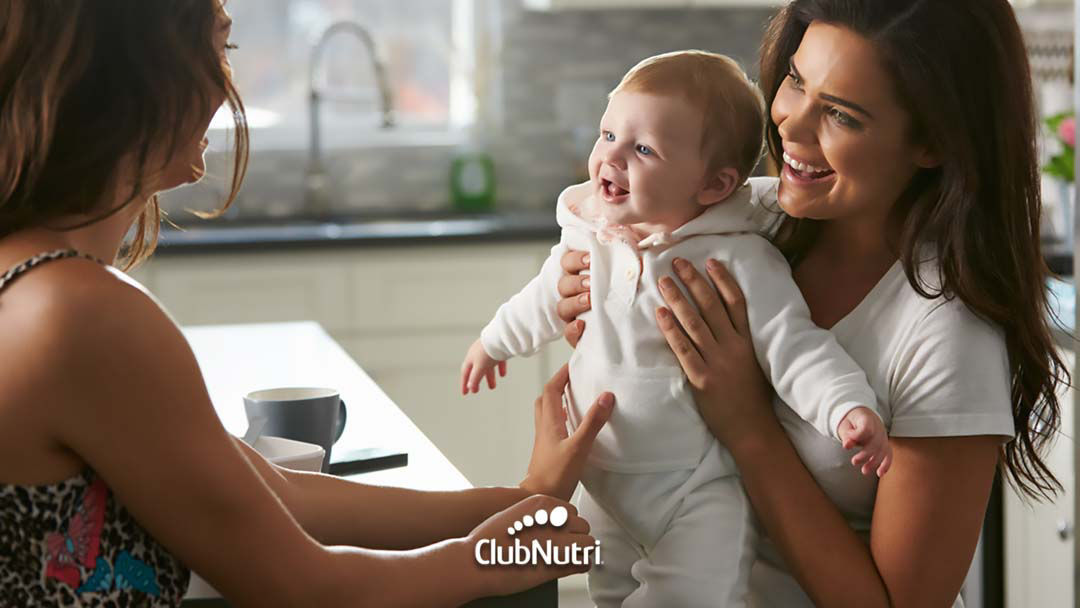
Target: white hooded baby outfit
point(662, 495)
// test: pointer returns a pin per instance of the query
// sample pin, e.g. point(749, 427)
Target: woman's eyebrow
point(227, 25)
point(832, 98)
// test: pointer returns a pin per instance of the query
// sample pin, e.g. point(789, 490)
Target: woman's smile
point(802, 174)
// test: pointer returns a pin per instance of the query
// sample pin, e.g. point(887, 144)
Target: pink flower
point(1067, 131)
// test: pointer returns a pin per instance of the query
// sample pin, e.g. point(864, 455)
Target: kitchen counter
point(237, 359)
point(214, 236)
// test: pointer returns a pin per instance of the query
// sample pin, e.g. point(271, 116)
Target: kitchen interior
point(405, 158)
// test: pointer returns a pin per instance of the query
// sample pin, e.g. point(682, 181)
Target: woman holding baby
point(909, 192)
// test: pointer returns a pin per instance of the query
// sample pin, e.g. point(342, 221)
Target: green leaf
point(1053, 122)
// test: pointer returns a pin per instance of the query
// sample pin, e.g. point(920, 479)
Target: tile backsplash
point(557, 69)
point(551, 74)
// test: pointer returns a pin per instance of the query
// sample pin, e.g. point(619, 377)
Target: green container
point(472, 182)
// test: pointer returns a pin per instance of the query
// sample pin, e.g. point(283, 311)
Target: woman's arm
point(337, 511)
point(926, 521)
point(929, 507)
point(128, 398)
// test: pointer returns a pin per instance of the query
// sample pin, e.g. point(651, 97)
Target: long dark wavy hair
point(960, 70)
point(85, 87)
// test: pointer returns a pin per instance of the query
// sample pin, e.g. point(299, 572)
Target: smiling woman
point(907, 132)
point(935, 154)
point(841, 160)
point(908, 206)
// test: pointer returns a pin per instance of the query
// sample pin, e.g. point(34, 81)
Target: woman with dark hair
point(909, 210)
point(116, 475)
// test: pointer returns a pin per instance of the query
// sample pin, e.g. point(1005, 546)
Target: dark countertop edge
point(1059, 261)
point(1058, 258)
point(207, 241)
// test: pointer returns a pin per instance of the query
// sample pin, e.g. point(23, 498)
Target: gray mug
point(314, 415)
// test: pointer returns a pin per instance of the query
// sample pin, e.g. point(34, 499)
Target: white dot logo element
point(557, 518)
point(559, 515)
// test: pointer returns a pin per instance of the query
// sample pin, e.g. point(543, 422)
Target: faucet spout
point(360, 32)
point(316, 179)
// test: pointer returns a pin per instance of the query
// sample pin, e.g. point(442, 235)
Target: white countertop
point(237, 359)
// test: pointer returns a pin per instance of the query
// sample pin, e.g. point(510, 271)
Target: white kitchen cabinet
point(569, 5)
point(411, 289)
point(405, 314)
point(1039, 537)
point(254, 288)
point(487, 435)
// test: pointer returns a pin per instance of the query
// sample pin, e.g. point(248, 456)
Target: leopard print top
point(72, 544)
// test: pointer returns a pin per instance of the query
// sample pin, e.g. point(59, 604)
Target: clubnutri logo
point(489, 553)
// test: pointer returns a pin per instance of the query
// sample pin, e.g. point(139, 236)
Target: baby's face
point(647, 167)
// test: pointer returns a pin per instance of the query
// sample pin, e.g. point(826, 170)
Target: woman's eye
point(843, 118)
point(607, 135)
point(796, 82)
point(643, 149)
point(231, 47)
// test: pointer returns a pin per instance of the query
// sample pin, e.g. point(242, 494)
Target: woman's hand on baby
point(574, 294)
point(862, 428)
point(559, 457)
point(713, 348)
point(507, 579)
point(478, 365)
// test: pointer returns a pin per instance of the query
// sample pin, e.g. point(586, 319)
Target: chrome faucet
point(316, 180)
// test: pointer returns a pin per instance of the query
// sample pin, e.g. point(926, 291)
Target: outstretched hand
point(477, 366)
point(559, 457)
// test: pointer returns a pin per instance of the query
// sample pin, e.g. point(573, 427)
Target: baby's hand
point(477, 365)
point(862, 427)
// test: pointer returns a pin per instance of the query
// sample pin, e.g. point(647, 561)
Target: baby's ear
point(718, 186)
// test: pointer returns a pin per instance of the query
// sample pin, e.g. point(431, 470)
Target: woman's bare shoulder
point(70, 309)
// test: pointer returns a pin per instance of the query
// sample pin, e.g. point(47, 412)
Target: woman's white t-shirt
point(938, 370)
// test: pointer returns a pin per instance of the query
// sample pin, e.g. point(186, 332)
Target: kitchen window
point(428, 48)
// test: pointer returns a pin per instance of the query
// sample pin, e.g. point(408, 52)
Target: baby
point(668, 179)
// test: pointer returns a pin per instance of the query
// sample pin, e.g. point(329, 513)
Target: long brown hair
point(961, 71)
point(86, 86)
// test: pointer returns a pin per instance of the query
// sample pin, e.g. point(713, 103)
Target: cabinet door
point(254, 288)
point(396, 290)
point(416, 312)
point(487, 435)
point(1039, 537)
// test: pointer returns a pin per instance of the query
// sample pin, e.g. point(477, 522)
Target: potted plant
point(1061, 167)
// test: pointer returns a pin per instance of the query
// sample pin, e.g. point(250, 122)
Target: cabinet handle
point(1064, 530)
